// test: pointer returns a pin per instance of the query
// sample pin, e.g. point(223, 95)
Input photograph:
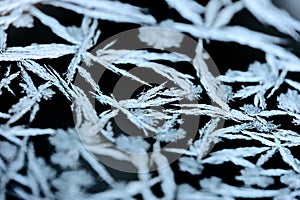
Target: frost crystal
point(160, 40)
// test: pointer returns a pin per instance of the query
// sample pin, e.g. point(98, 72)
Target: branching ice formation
point(262, 128)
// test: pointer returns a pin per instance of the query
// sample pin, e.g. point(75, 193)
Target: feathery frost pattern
point(184, 118)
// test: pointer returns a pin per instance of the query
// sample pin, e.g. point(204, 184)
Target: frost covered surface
point(256, 147)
